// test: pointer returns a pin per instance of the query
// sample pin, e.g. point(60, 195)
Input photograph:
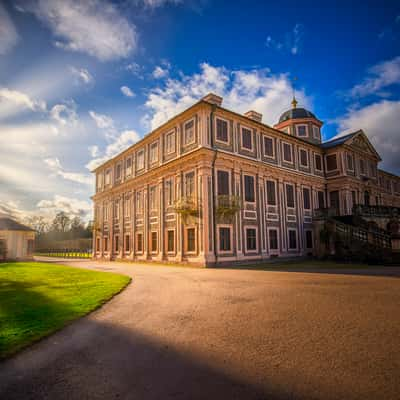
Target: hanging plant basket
point(227, 208)
point(187, 209)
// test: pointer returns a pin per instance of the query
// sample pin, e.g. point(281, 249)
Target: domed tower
point(301, 123)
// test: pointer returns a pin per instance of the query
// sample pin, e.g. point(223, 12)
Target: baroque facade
point(213, 186)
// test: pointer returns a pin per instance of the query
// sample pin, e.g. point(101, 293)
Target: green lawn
point(37, 299)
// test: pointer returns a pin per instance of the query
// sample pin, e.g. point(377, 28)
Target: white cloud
point(94, 151)
point(71, 206)
point(8, 33)
point(102, 121)
point(291, 42)
point(380, 122)
point(56, 167)
point(13, 101)
point(126, 91)
point(159, 3)
point(242, 91)
point(160, 72)
point(380, 76)
point(64, 113)
point(95, 27)
point(82, 75)
point(122, 142)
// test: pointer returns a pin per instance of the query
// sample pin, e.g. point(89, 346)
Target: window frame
point(315, 162)
point(169, 182)
point(291, 152)
point(326, 162)
point(185, 142)
point(152, 152)
point(349, 156)
point(228, 141)
point(186, 244)
point(116, 244)
point(309, 198)
point(275, 192)
point(152, 250)
point(301, 149)
point(286, 196)
point(316, 128)
point(172, 134)
point(270, 250)
point(273, 146)
point(241, 138)
point(296, 237)
point(194, 194)
point(305, 130)
point(140, 153)
point(225, 226)
point(137, 242)
point(130, 173)
point(244, 188)
point(229, 181)
point(167, 241)
point(153, 198)
point(255, 228)
point(127, 235)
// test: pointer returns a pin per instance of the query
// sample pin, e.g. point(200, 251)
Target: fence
point(64, 253)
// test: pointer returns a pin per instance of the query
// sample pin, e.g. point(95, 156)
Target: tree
point(39, 224)
point(61, 222)
point(77, 227)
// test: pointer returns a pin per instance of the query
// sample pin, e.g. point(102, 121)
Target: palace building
point(211, 186)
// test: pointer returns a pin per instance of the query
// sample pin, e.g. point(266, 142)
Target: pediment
point(360, 142)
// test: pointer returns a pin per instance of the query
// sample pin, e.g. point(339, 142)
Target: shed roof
point(8, 224)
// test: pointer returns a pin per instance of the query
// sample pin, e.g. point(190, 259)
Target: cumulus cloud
point(15, 98)
point(64, 113)
point(380, 121)
point(56, 167)
point(102, 121)
point(71, 206)
point(242, 91)
point(94, 27)
point(379, 77)
point(126, 91)
point(82, 76)
point(160, 72)
point(8, 33)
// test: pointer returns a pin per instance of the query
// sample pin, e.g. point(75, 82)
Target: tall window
point(321, 199)
point(222, 130)
point(290, 196)
point(116, 209)
point(350, 163)
point(154, 242)
point(249, 195)
point(99, 181)
point(169, 192)
point(309, 240)
point(108, 177)
point(318, 162)
point(140, 160)
point(354, 197)
point(118, 172)
point(128, 166)
point(127, 207)
point(292, 239)
point(127, 243)
point(247, 139)
point(139, 242)
point(306, 199)
point(116, 244)
point(273, 239)
point(287, 152)
point(303, 158)
point(139, 202)
point(271, 193)
point(105, 212)
point(105, 244)
point(189, 132)
point(191, 239)
point(268, 147)
point(189, 185)
point(223, 183)
point(170, 241)
point(251, 239)
point(315, 132)
point(331, 162)
point(301, 130)
point(153, 197)
point(170, 143)
point(224, 239)
point(362, 167)
point(154, 152)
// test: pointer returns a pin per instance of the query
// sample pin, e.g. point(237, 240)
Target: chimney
point(254, 115)
point(213, 99)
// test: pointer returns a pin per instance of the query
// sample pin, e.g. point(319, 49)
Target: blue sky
point(80, 81)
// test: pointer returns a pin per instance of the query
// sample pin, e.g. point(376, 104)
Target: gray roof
point(296, 113)
point(8, 224)
point(338, 141)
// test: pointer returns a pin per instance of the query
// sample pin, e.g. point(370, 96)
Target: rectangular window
point(372, 169)
point(189, 185)
point(331, 162)
point(99, 181)
point(289, 196)
point(105, 212)
point(116, 244)
point(140, 160)
point(223, 183)
point(318, 162)
point(315, 132)
point(139, 242)
point(189, 132)
point(98, 244)
point(128, 166)
point(127, 243)
point(251, 239)
point(301, 130)
point(127, 207)
point(154, 152)
point(169, 192)
point(224, 239)
point(191, 239)
point(268, 147)
point(153, 198)
point(118, 172)
point(303, 158)
point(222, 130)
point(108, 177)
point(105, 243)
point(249, 189)
point(139, 202)
point(287, 152)
point(154, 242)
point(309, 240)
point(247, 139)
point(116, 209)
point(321, 199)
point(273, 239)
point(350, 163)
point(354, 197)
point(292, 239)
point(170, 143)
point(362, 167)
point(170, 241)
point(271, 193)
point(306, 199)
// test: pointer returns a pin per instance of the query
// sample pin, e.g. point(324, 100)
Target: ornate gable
point(360, 142)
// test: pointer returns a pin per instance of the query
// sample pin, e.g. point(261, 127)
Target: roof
point(337, 141)
point(296, 113)
point(8, 224)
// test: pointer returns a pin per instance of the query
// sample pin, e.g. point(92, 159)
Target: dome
point(296, 113)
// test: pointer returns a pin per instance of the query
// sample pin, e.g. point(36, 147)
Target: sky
point(82, 80)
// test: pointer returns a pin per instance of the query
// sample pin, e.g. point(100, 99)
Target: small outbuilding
point(16, 240)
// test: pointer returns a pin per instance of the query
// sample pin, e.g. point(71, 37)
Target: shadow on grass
point(91, 360)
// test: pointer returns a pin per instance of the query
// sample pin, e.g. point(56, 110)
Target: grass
point(37, 299)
